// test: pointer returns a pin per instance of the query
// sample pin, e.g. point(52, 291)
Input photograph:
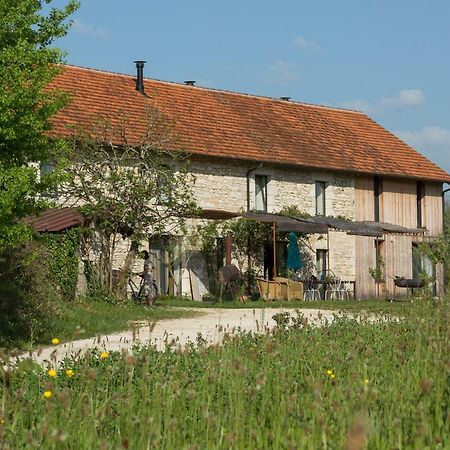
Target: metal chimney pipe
point(140, 76)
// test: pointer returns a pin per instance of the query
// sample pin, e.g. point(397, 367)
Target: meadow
point(354, 384)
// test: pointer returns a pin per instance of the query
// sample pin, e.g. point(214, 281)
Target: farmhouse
point(251, 153)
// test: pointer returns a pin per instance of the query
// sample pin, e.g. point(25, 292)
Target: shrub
point(27, 293)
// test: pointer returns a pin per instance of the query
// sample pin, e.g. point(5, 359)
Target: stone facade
point(222, 185)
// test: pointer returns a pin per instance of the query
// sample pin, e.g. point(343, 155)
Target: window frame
point(261, 189)
point(420, 195)
point(320, 189)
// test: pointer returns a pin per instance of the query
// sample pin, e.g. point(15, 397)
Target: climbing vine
point(63, 263)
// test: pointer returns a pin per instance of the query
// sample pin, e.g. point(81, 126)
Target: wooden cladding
point(403, 202)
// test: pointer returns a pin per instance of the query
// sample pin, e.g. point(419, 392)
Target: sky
point(390, 59)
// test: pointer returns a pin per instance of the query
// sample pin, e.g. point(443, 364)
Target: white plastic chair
point(311, 291)
point(335, 290)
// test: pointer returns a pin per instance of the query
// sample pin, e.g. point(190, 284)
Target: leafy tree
point(28, 62)
point(127, 190)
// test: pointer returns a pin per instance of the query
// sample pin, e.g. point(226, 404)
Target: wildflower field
point(355, 384)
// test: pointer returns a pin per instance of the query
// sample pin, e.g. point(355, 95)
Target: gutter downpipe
point(443, 226)
point(247, 174)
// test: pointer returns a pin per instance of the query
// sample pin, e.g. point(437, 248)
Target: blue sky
point(390, 59)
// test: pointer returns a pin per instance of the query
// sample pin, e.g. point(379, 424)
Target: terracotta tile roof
point(225, 124)
point(53, 220)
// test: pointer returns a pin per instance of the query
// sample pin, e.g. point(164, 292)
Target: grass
point(359, 306)
point(87, 318)
point(351, 385)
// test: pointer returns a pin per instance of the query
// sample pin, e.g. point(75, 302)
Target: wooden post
point(228, 249)
point(328, 252)
point(274, 227)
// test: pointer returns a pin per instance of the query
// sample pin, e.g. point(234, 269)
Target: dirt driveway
point(211, 324)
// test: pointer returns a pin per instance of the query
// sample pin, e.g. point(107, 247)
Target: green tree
point(128, 190)
point(28, 62)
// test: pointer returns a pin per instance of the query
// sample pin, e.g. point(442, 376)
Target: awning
point(285, 223)
point(54, 220)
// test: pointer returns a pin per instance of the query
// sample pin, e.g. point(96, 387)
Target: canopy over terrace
point(312, 225)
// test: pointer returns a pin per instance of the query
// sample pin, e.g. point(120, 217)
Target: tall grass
point(354, 385)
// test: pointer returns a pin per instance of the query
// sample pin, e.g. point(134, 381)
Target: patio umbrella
point(294, 258)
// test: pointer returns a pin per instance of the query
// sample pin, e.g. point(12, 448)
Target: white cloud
point(89, 30)
point(406, 98)
point(306, 44)
point(432, 141)
point(283, 73)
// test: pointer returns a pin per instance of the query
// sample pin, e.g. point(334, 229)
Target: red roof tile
point(225, 124)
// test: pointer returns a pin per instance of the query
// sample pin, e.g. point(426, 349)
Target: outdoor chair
point(334, 290)
point(268, 290)
point(311, 291)
point(290, 289)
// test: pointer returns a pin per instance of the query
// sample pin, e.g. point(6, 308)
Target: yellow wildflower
point(70, 373)
point(55, 341)
point(329, 372)
point(47, 394)
point(366, 381)
point(104, 355)
point(52, 373)
point(332, 375)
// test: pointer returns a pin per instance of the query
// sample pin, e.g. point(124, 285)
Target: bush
point(28, 294)
point(62, 249)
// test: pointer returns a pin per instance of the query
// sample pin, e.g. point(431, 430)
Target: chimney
point(189, 82)
point(140, 76)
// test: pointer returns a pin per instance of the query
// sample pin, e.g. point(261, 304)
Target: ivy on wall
point(63, 250)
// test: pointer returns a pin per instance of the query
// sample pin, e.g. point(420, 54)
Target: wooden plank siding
point(364, 200)
point(398, 202)
point(432, 208)
point(365, 258)
point(398, 205)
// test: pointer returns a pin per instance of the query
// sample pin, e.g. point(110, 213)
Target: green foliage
point(63, 251)
point(28, 62)
point(376, 384)
point(128, 191)
point(294, 211)
point(377, 272)
point(27, 294)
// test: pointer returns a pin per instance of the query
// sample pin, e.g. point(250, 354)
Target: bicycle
point(137, 292)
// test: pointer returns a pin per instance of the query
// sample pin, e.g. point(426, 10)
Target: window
point(261, 192)
point(376, 198)
point(164, 185)
point(46, 169)
point(420, 196)
point(321, 264)
point(320, 198)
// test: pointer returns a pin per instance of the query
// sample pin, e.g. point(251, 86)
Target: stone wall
point(223, 185)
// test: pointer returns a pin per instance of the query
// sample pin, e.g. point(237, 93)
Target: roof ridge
point(226, 91)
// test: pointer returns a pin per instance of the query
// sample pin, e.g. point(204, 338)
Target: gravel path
point(212, 324)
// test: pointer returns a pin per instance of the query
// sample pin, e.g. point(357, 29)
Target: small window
point(321, 264)
point(164, 185)
point(46, 169)
point(320, 198)
point(420, 196)
point(261, 192)
point(376, 198)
